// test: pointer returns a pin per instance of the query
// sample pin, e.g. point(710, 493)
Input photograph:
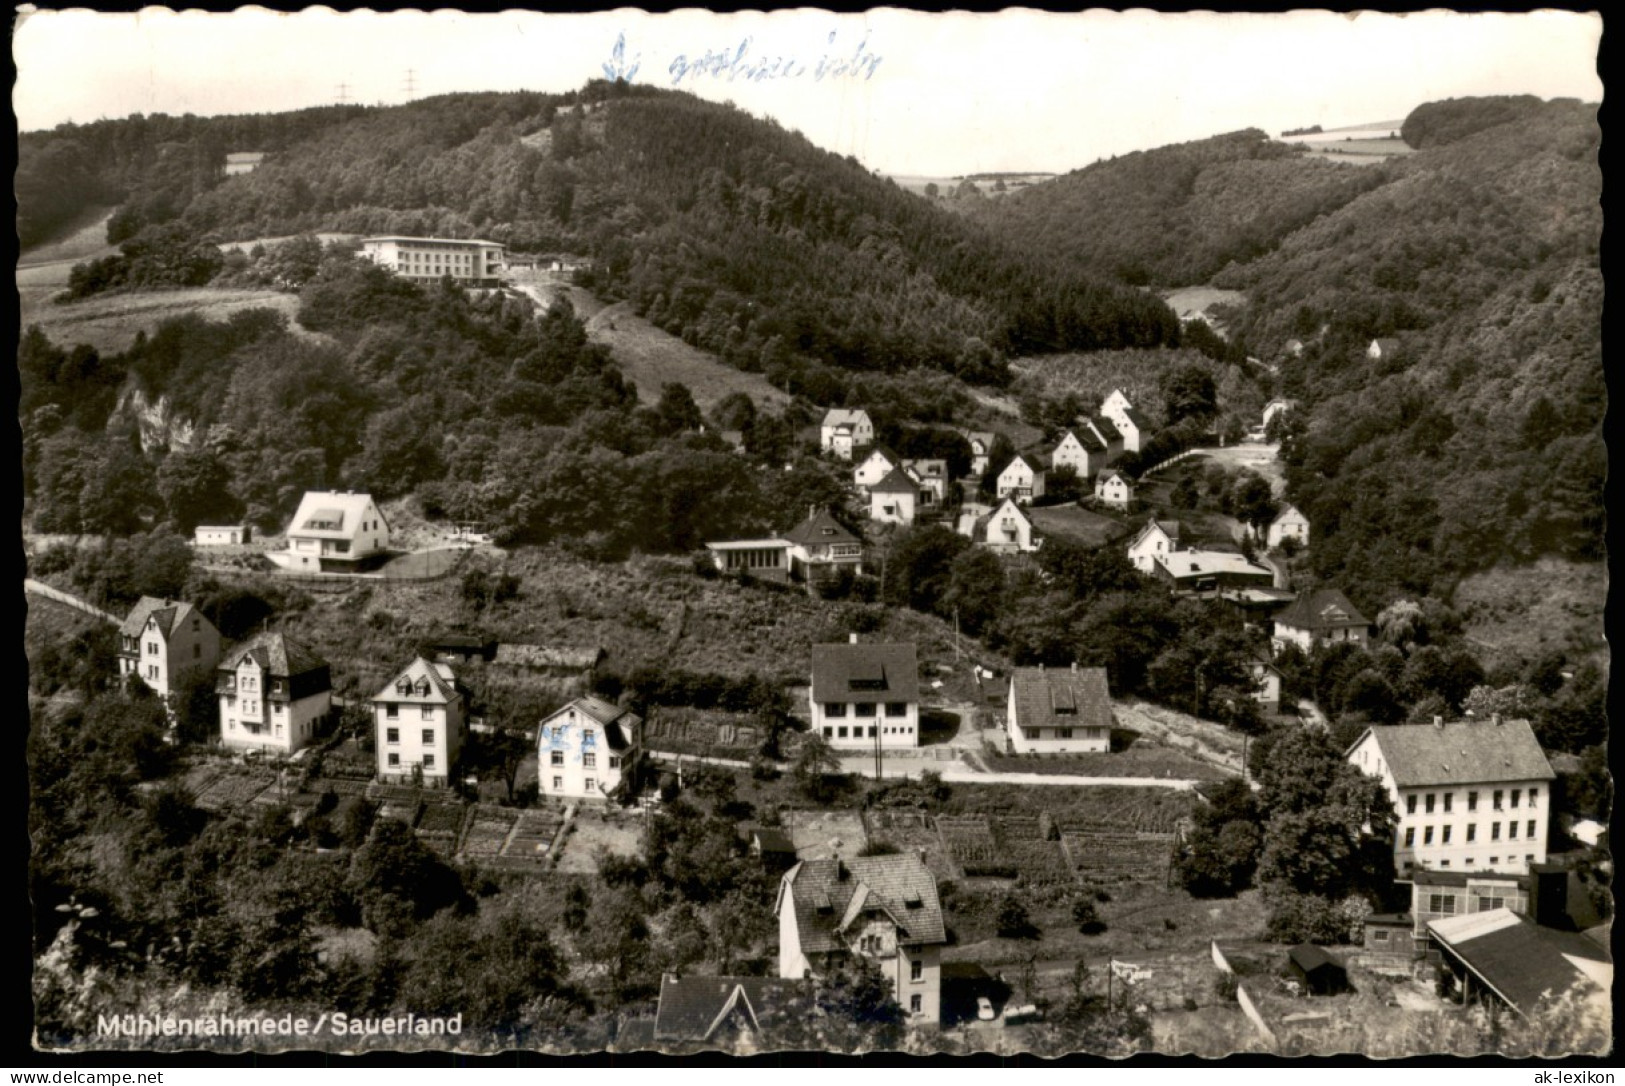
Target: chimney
point(852, 639)
point(841, 871)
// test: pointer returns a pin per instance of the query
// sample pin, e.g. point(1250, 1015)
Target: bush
point(1012, 920)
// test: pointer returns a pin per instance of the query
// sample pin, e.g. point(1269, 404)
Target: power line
point(411, 82)
point(343, 93)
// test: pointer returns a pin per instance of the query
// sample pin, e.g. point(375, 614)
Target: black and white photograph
point(809, 534)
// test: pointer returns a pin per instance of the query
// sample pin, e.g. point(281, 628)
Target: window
point(392, 735)
point(428, 761)
point(1444, 863)
point(1494, 860)
point(1512, 831)
point(1529, 858)
point(1444, 836)
point(916, 970)
point(1427, 835)
point(1441, 903)
point(392, 712)
point(1063, 733)
point(1448, 796)
point(916, 1004)
point(152, 671)
point(841, 732)
point(557, 758)
point(1495, 831)
point(1410, 837)
point(1429, 803)
point(1379, 936)
point(428, 712)
point(829, 733)
point(591, 784)
point(1496, 800)
point(1517, 794)
point(897, 708)
point(1410, 804)
point(428, 737)
point(589, 760)
point(1534, 796)
point(834, 708)
point(197, 651)
point(864, 708)
point(1472, 831)
point(558, 784)
point(614, 762)
point(394, 760)
point(152, 648)
point(1472, 802)
point(1530, 831)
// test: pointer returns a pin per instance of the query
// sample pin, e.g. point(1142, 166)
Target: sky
point(903, 92)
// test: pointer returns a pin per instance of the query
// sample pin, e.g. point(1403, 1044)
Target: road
point(954, 772)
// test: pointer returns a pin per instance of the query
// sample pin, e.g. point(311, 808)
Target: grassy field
point(1361, 152)
point(109, 322)
point(1147, 761)
point(1078, 525)
point(86, 241)
point(1514, 614)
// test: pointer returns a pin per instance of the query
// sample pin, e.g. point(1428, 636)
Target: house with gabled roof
point(1106, 432)
point(874, 467)
point(1059, 711)
point(1020, 481)
point(1154, 542)
point(981, 447)
point(894, 499)
point(1320, 616)
point(817, 548)
point(420, 721)
point(1130, 422)
point(1003, 529)
point(334, 531)
point(1113, 490)
point(737, 1015)
point(1081, 450)
point(931, 476)
point(1500, 957)
point(1469, 796)
point(274, 694)
point(1289, 523)
point(845, 430)
point(864, 696)
point(587, 749)
point(883, 908)
point(161, 639)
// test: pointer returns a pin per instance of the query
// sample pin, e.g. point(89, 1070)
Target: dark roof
point(618, 723)
point(771, 840)
point(1062, 697)
point(895, 482)
point(427, 682)
point(1137, 417)
point(1429, 876)
point(696, 1008)
point(865, 672)
point(1466, 752)
point(166, 613)
point(899, 885)
point(819, 528)
point(1310, 958)
point(1105, 428)
point(276, 654)
point(1321, 609)
point(1514, 957)
point(1085, 437)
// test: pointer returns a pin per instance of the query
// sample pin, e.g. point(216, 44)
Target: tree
point(616, 939)
point(399, 881)
point(1189, 392)
point(194, 486)
point(859, 1008)
point(815, 764)
point(1012, 920)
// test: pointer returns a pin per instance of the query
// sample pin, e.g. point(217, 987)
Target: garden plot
point(200, 777)
point(1099, 856)
point(403, 811)
point(969, 842)
point(532, 837)
point(232, 790)
point(591, 830)
point(911, 831)
point(440, 825)
point(821, 834)
point(487, 831)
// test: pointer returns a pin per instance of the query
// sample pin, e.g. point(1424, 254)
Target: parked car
point(984, 1009)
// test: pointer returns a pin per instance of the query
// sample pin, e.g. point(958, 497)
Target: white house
point(273, 695)
point(865, 694)
point(894, 499)
point(1266, 683)
point(1059, 711)
point(1153, 543)
point(222, 535)
point(420, 720)
point(1082, 451)
point(1115, 404)
point(468, 261)
point(1320, 617)
point(585, 749)
point(1131, 423)
point(883, 908)
point(1382, 349)
point(932, 478)
point(875, 467)
point(160, 640)
point(820, 548)
point(240, 162)
point(1288, 524)
point(844, 430)
point(1470, 796)
point(1021, 481)
point(334, 530)
point(1004, 529)
point(981, 447)
point(1114, 490)
point(1105, 432)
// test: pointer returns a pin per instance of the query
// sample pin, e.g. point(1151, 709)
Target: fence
point(1160, 464)
point(40, 589)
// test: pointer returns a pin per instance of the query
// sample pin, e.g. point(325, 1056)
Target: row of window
point(1496, 799)
point(393, 712)
point(1472, 833)
point(857, 732)
point(1060, 733)
point(1482, 902)
point(589, 760)
point(1468, 862)
point(394, 761)
point(558, 784)
point(864, 708)
point(393, 735)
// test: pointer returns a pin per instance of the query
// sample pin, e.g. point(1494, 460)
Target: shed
point(1320, 973)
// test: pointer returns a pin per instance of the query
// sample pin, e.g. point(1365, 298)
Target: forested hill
point(727, 230)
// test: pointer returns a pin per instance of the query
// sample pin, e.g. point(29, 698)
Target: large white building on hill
point(469, 262)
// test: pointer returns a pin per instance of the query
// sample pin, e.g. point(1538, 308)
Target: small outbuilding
point(1316, 970)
